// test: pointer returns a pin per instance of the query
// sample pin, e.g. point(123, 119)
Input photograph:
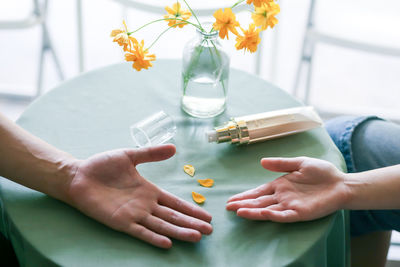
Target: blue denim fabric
point(368, 143)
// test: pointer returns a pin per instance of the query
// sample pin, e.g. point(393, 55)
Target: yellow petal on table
point(206, 182)
point(198, 198)
point(189, 169)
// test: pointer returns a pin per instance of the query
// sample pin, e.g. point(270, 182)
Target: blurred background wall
point(359, 82)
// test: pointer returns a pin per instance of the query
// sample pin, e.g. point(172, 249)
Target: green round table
point(93, 112)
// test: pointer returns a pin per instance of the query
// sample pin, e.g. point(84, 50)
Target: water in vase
point(204, 76)
point(204, 97)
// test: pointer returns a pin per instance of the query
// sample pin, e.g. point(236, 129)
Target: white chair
point(313, 37)
point(36, 17)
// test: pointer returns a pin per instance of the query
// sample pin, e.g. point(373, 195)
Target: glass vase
point(205, 73)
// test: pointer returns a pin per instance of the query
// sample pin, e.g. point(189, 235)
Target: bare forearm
point(375, 189)
point(30, 161)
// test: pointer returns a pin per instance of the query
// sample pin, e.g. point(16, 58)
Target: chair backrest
point(34, 17)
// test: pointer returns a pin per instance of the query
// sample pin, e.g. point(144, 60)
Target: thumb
point(150, 154)
point(282, 164)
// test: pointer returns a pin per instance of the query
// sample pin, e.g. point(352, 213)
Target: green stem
point(212, 56)
point(159, 36)
point(221, 67)
point(141, 27)
point(194, 15)
point(237, 3)
point(193, 62)
point(164, 19)
point(195, 59)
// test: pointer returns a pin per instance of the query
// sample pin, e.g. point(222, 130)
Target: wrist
point(66, 171)
point(350, 183)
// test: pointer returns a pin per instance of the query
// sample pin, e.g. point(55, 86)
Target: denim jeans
point(368, 143)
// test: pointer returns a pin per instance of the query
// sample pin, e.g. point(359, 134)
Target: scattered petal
point(198, 198)
point(206, 182)
point(189, 169)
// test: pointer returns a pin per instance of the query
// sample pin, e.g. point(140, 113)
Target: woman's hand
point(312, 189)
point(108, 188)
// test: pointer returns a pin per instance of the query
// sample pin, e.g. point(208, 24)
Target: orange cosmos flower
point(140, 57)
point(225, 22)
point(176, 13)
point(122, 37)
point(250, 40)
point(264, 16)
point(258, 3)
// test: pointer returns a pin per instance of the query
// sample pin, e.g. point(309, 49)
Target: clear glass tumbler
point(153, 130)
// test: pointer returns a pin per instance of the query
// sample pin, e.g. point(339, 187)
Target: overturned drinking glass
point(153, 130)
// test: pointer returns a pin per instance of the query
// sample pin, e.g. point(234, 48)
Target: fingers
point(265, 189)
point(167, 229)
point(260, 202)
point(269, 214)
point(182, 220)
point(282, 164)
point(148, 236)
point(175, 203)
point(149, 154)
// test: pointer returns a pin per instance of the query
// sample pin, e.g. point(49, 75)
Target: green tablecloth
point(93, 112)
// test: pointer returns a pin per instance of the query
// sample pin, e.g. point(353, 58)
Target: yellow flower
point(225, 22)
point(250, 40)
point(176, 13)
point(122, 37)
point(264, 16)
point(140, 57)
point(257, 3)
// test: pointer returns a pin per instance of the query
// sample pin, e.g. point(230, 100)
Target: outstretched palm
point(108, 188)
point(312, 189)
